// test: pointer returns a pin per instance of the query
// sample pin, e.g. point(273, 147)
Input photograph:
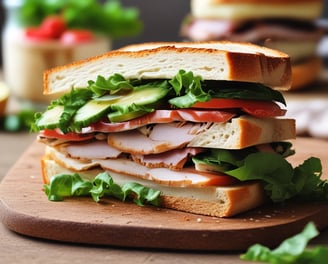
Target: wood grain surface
point(24, 208)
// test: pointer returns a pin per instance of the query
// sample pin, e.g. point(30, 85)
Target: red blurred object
point(76, 36)
point(53, 26)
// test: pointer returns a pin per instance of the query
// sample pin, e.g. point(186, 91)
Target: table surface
point(18, 249)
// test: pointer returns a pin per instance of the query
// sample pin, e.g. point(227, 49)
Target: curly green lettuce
point(69, 185)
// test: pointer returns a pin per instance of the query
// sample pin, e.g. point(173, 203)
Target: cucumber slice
point(108, 98)
point(119, 117)
point(122, 106)
point(140, 96)
point(91, 112)
point(50, 118)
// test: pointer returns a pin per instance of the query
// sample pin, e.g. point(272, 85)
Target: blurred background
point(162, 20)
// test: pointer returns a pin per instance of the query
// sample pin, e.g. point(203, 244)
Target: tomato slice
point(252, 107)
point(161, 116)
point(214, 178)
point(71, 136)
point(222, 180)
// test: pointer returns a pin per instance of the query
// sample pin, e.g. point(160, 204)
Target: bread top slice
point(211, 60)
point(256, 9)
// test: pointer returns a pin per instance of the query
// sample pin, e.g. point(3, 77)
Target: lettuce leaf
point(292, 250)
point(189, 90)
point(65, 185)
point(280, 180)
point(272, 169)
point(114, 84)
point(244, 90)
point(69, 185)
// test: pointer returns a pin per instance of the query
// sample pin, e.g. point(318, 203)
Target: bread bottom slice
point(215, 201)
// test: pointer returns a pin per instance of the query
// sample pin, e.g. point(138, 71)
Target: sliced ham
point(165, 176)
point(174, 159)
point(92, 150)
point(208, 29)
point(70, 163)
point(161, 138)
point(161, 116)
point(263, 31)
point(184, 178)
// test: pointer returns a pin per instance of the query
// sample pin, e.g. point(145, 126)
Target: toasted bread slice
point(211, 60)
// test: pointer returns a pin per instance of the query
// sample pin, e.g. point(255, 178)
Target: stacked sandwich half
point(289, 26)
point(196, 127)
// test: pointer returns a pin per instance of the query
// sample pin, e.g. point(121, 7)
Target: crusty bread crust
point(214, 201)
point(306, 73)
point(211, 60)
point(256, 9)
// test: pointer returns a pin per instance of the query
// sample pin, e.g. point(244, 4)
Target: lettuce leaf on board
point(291, 251)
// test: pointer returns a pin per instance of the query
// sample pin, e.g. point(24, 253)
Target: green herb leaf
point(292, 250)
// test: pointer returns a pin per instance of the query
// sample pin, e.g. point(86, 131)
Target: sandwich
point(289, 26)
point(195, 127)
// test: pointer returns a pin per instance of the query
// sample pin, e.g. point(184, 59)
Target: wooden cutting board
point(24, 208)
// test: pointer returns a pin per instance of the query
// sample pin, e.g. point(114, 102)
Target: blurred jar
point(25, 59)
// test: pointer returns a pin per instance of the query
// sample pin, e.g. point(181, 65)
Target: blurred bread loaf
point(288, 26)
